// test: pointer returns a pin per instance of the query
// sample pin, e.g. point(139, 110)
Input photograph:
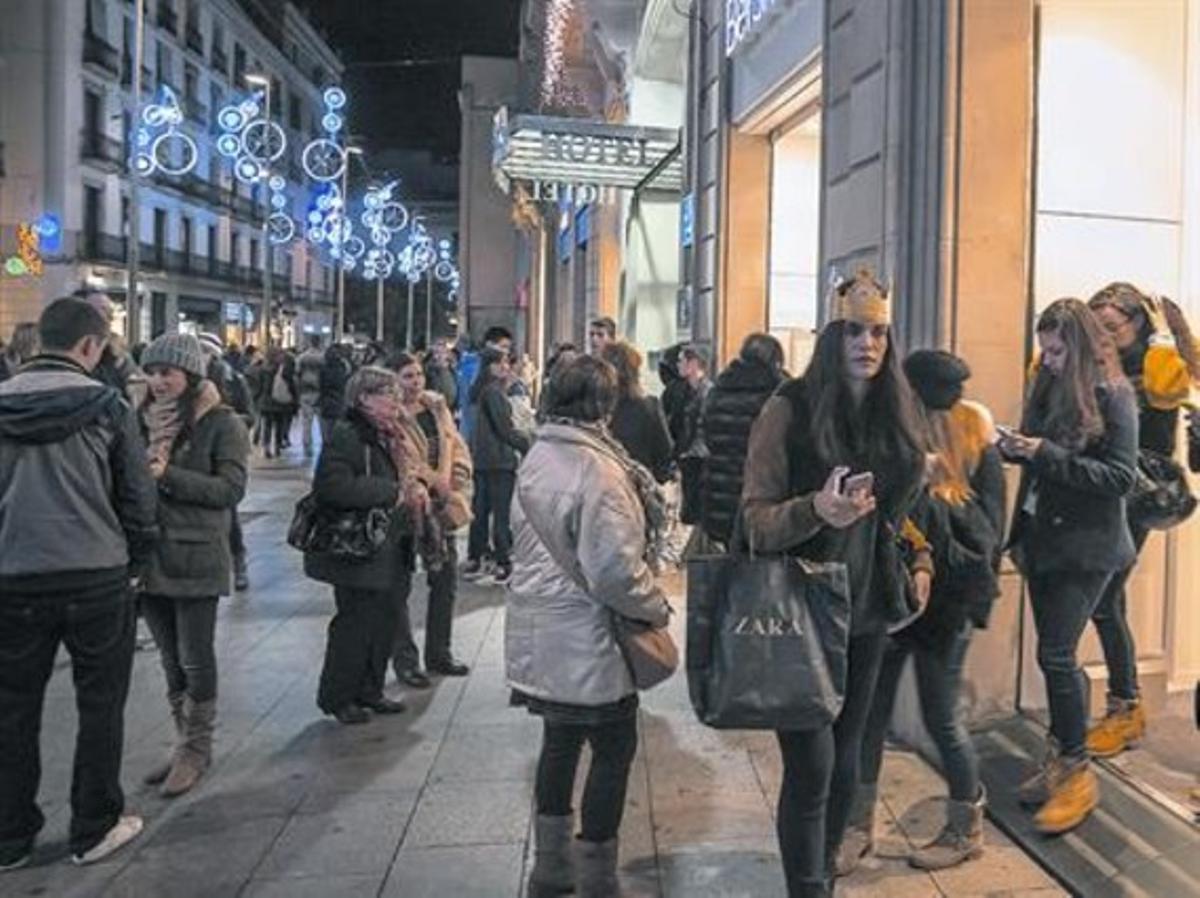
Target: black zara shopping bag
point(766, 641)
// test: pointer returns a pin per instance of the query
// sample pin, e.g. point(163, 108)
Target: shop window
point(794, 287)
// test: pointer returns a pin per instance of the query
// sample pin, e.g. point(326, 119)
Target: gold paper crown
point(861, 299)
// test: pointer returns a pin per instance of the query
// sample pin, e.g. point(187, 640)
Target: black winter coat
point(1078, 523)
point(495, 443)
point(342, 482)
point(730, 410)
point(638, 425)
point(335, 374)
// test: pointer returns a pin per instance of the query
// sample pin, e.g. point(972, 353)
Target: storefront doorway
point(793, 288)
point(1117, 177)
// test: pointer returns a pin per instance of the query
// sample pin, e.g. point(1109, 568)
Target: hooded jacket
point(77, 503)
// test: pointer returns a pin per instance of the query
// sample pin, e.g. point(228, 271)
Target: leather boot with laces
point(1123, 727)
point(1037, 788)
point(1072, 799)
point(961, 839)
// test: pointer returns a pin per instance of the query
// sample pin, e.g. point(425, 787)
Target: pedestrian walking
point(255, 371)
point(1158, 357)
point(732, 406)
point(966, 511)
point(851, 413)
point(198, 451)
point(1077, 449)
point(77, 521)
point(587, 521)
point(21, 348)
point(637, 421)
point(365, 465)
point(279, 399)
point(440, 461)
point(496, 449)
point(308, 378)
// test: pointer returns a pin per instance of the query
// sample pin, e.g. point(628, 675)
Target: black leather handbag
point(345, 534)
point(1161, 498)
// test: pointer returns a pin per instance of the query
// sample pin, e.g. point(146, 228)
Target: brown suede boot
point(195, 752)
point(961, 839)
point(1123, 727)
point(157, 774)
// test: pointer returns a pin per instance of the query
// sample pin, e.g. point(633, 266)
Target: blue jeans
point(98, 631)
point(1062, 602)
point(1112, 626)
point(939, 680)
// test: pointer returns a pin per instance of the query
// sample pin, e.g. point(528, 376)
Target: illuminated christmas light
point(249, 139)
point(161, 145)
point(323, 158)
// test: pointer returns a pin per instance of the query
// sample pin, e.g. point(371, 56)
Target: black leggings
point(613, 747)
point(820, 774)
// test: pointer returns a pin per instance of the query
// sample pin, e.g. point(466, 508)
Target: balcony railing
point(220, 61)
point(100, 53)
point(99, 147)
point(167, 17)
point(196, 110)
point(194, 39)
point(109, 249)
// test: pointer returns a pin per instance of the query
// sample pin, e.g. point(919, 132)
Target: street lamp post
point(408, 332)
point(264, 324)
point(341, 268)
point(132, 306)
point(428, 307)
point(379, 309)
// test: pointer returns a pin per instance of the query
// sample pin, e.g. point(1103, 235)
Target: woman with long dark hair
point(637, 421)
point(198, 454)
point(1158, 356)
point(964, 519)
point(851, 413)
point(1078, 452)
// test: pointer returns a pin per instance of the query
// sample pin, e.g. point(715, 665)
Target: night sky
point(412, 107)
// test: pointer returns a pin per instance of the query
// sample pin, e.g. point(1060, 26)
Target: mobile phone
point(1004, 432)
point(859, 483)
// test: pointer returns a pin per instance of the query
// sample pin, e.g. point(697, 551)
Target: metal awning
point(581, 151)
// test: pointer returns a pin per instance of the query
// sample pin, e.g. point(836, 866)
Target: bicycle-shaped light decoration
point(329, 225)
point(250, 139)
point(159, 144)
point(324, 158)
point(384, 217)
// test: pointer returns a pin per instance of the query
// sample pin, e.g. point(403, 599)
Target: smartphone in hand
point(859, 483)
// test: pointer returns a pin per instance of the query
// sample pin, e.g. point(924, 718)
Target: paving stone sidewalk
point(435, 802)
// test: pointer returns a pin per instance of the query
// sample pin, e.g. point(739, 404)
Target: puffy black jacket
point(77, 503)
point(335, 374)
point(730, 410)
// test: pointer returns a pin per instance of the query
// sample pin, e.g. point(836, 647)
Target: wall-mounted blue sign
point(687, 220)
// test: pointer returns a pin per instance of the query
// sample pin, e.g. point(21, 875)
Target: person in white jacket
point(587, 521)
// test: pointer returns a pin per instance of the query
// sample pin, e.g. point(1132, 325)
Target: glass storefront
point(1117, 177)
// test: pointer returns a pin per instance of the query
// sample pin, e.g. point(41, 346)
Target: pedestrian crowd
point(575, 489)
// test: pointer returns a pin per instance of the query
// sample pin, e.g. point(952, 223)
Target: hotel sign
point(583, 161)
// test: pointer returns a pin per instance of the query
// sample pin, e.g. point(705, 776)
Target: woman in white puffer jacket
point(586, 520)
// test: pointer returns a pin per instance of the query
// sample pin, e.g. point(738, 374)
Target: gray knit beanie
point(177, 351)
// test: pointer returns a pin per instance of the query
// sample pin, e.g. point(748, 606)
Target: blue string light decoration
point(280, 227)
point(249, 139)
point(159, 144)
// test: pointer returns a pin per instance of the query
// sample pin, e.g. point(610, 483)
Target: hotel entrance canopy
point(570, 151)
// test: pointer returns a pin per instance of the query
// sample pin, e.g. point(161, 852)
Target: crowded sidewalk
point(436, 801)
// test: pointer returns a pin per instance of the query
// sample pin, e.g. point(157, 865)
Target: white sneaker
point(126, 830)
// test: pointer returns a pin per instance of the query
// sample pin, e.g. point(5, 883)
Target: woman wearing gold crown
point(835, 463)
point(1159, 358)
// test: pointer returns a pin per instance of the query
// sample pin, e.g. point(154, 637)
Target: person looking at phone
point(1078, 452)
point(835, 463)
point(1158, 356)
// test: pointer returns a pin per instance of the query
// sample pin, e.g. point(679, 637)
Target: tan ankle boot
point(1123, 727)
point(1072, 799)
